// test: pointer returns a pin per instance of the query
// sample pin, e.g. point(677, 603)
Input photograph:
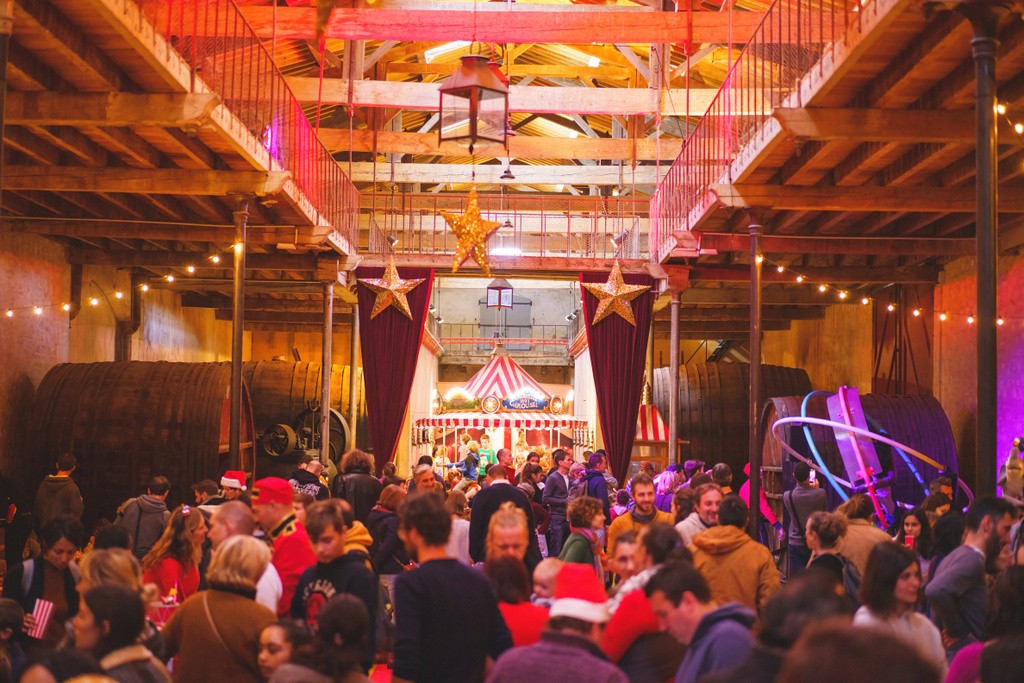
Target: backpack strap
point(787, 499)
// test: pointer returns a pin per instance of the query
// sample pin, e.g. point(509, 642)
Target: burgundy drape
point(618, 353)
point(390, 346)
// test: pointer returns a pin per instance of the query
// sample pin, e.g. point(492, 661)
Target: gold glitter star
point(473, 232)
point(614, 296)
point(391, 290)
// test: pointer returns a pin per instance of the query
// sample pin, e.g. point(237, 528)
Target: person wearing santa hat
point(293, 553)
point(233, 487)
point(568, 649)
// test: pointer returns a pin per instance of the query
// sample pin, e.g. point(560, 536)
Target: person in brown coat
point(861, 533)
point(736, 567)
point(215, 634)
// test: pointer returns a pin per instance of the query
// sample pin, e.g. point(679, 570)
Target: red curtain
point(390, 346)
point(618, 354)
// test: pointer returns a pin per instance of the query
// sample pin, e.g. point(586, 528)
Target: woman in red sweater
point(173, 563)
point(511, 582)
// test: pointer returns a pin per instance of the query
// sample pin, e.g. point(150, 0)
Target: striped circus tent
point(649, 425)
point(502, 377)
point(521, 420)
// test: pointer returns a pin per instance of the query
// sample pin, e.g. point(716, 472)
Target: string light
point(10, 313)
point(822, 288)
point(970, 320)
point(215, 258)
point(916, 312)
point(943, 316)
point(781, 269)
point(891, 307)
point(170, 278)
point(999, 321)
point(799, 278)
point(119, 294)
point(66, 307)
point(843, 295)
point(94, 301)
point(37, 310)
point(759, 258)
point(191, 269)
point(864, 300)
point(144, 287)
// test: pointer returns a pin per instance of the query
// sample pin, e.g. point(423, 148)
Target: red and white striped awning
point(502, 377)
point(522, 420)
point(650, 426)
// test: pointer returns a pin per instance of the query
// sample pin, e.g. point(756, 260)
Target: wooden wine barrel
point(917, 421)
point(127, 422)
point(281, 390)
point(714, 406)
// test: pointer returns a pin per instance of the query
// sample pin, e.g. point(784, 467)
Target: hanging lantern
point(474, 105)
point(499, 294)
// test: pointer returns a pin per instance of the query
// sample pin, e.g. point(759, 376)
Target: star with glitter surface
point(391, 290)
point(472, 232)
point(614, 296)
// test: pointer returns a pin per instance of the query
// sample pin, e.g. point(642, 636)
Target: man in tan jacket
point(736, 567)
point(642, 514)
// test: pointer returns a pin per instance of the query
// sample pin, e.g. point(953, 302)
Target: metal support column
point(673, 395)
point(241, 217)
point(6, 28)
point(353, 376)
point(755, 379)
point(325, 374)
point(984, 17)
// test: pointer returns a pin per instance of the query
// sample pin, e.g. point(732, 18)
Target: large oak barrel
point(281, 390)
point(714, 406)
point(127, 422)
point(917, 421)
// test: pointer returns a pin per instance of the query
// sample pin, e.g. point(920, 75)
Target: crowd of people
point(545, 571)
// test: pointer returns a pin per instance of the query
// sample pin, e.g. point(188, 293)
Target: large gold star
point(472, 232)
point(614, 296)
point(391, 290)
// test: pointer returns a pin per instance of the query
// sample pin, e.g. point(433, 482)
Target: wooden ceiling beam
point(521, 203)
point(859, 199)
point(190, 110)
point(904, 126)
point(128, 146)
point(522, 98)
point(183, 259)
point(604, 72)
point(709, 330)
point(192, 284)
point(822, 275)
point(773, 295)
point(145, 181)
point(65, 48)
point(72, 141)
point(263, 235)
point(342, 316)
point(31, 146)
point(742, 315)
point(837, 244)
point(306, 304)
point(520, 146)
point(363, 172)
point(506, 23)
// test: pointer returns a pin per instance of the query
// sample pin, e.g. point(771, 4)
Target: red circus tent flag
point(502, 377)
point(649, 425)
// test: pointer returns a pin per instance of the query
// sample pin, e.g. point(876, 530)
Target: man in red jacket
point(293, 553)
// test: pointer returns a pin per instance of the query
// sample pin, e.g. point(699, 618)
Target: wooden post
point(755, 378)
point(984, 18)
point(326, 366)
point(6, 28)
point(353, 375)
point(241, 218)
point(673, 393)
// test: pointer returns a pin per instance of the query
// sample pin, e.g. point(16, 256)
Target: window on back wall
point(517, 322)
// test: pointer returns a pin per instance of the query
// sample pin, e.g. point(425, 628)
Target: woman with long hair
point(216, 633)
point(342, 629)
point(387, 552)
point(890, 592)
point(118, 567)
point(512, 585)
point(108, 624)
point(173, 562)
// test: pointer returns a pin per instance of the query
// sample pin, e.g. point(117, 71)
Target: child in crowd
point(544, 577)
point(621, 505)
point(277, 643)
point(335, 570)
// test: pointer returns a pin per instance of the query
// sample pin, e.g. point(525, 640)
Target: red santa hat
point(234, 479)
point(579, 594)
